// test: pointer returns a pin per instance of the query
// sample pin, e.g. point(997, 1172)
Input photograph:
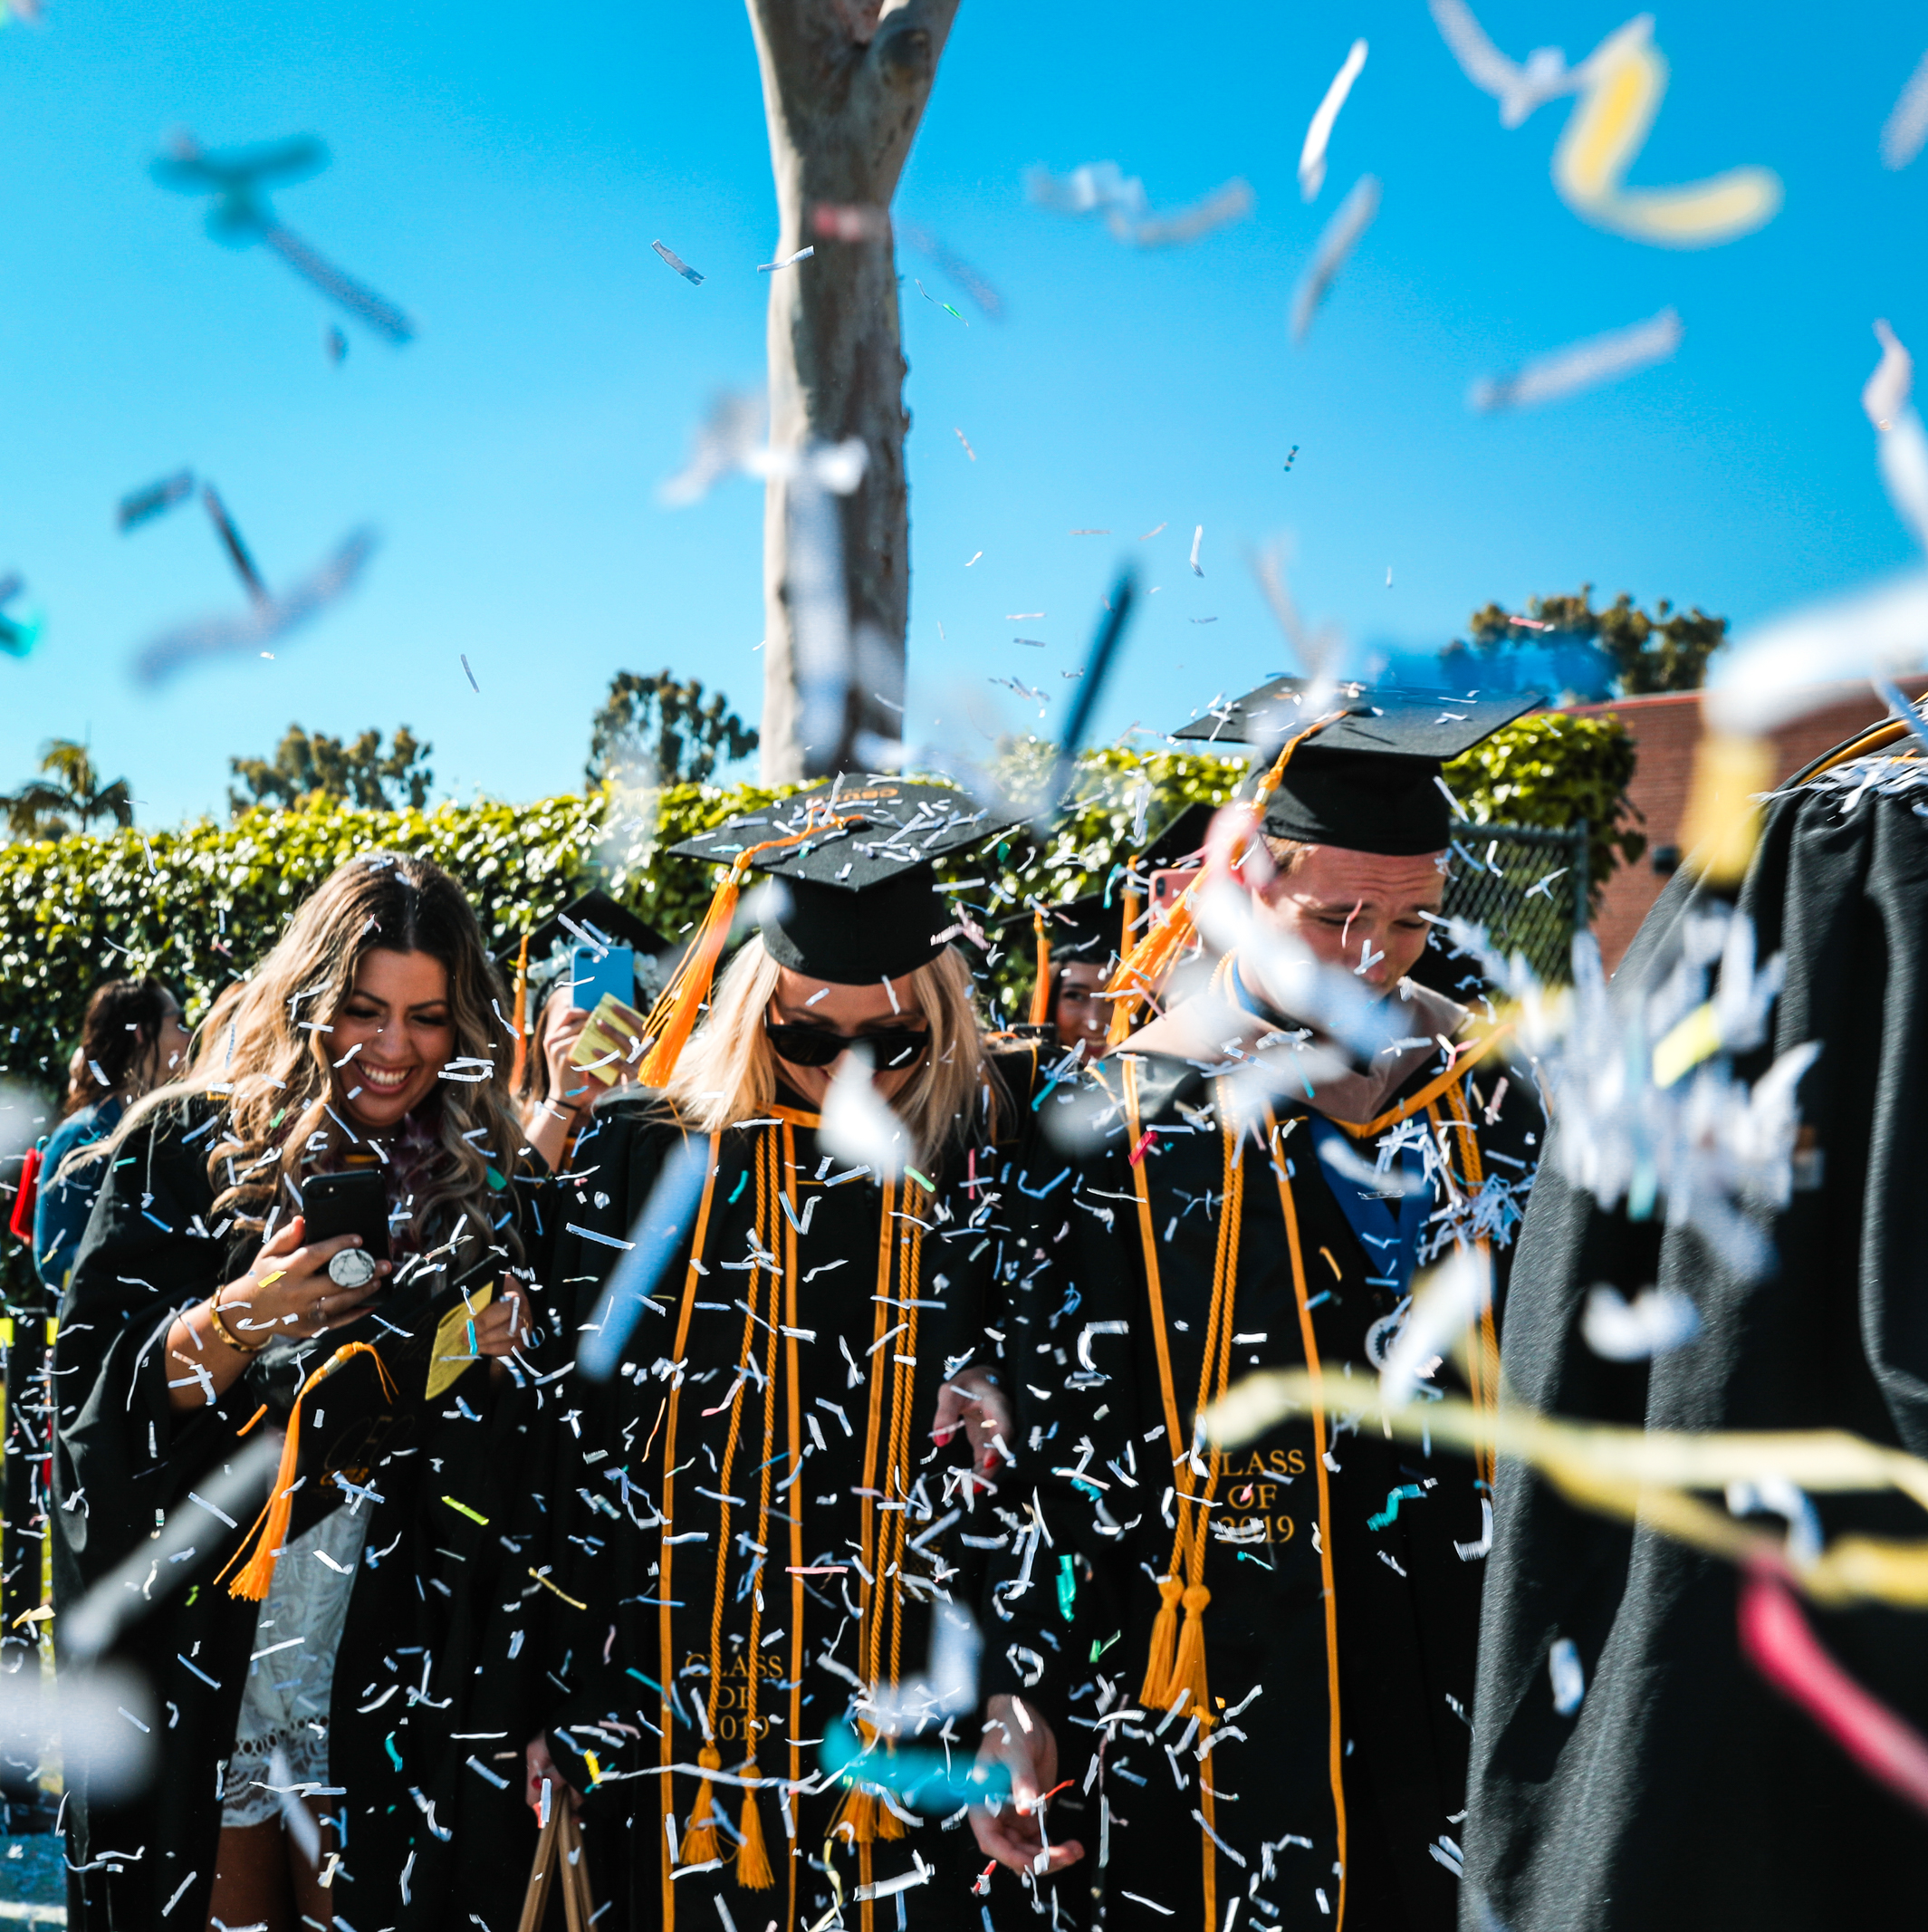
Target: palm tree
point(67, 797)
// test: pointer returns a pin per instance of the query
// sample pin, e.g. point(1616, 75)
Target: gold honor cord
point(1176, 1674)
point(1483, 1350)
point(796, 1505)
point(666, 1749)
point(1314, 1378)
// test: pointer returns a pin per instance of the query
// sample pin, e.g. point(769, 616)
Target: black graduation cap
point(854, 856)
point(594, 921)
point(1366, 782)
point(1180, 841)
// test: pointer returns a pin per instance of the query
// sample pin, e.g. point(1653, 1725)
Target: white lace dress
point(284, 1707)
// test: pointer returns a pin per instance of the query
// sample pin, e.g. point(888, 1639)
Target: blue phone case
point(592, 978)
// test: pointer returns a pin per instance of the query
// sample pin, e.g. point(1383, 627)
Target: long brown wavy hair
point(264, 1051)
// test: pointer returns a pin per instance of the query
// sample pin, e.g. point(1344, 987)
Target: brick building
point(1665, 730)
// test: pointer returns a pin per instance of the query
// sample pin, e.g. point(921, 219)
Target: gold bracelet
point(227, 1333)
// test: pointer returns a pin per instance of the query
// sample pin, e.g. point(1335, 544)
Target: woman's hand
point(540, 1770)
point(977, 1402)
point(1018, 1738)
point(287, 1290)
point(503, 1326)
point(558, 1044)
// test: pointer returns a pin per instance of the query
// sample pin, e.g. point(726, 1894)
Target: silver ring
point(352, 1268)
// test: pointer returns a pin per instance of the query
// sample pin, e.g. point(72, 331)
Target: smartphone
point(1168, 885)
point(592, 978)
point(355, 1203)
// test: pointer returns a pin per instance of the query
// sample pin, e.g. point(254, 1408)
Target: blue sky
point(501, 173)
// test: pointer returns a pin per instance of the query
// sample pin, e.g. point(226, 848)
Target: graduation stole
point(771, 1320)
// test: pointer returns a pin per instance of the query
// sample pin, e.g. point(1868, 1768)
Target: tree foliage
point(309, 768)
point(1667, 651)
point(661, 730)
point(1552, 769)
point(68, 796)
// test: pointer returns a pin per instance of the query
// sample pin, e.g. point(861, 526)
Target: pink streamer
point(1778, 1642)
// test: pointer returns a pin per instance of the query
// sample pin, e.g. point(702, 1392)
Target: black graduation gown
point(410, 1667)
point(1336, 1561)
point(1684, 1792)
point(862, 1365)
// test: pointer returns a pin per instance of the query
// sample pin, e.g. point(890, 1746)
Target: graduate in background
point(1275, 1647)
point(616, 953)
point(1666, 1785)
point(1078, 946)
point(131, 1040)
point(775, 1482)
point(199, 1315)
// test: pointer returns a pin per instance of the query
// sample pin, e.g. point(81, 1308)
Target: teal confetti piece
point(1390, 1513)
point(395, 1756)
point(743, 1181)
point(1067, 1587)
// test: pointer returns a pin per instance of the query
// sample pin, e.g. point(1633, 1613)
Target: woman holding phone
point(781, 1489)
point(204, 1316)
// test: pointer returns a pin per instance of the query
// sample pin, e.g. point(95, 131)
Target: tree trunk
point(844, 83)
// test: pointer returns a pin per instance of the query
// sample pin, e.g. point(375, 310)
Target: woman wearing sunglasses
point(775, 1483)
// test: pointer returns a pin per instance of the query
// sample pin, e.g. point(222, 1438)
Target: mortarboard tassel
point(673, 1018)
point(522, 1016)
point(258, 1572)
point(1040, 993)
point(1143, 967)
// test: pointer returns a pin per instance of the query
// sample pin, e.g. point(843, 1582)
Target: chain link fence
point(1527, 888)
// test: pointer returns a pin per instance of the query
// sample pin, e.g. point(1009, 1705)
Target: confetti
point(676, 262)
point(1100, 187)
point(1312, 156)
point(968, 451)
point(470, 675)
point(1656, 1320)
point(1907, 126)
point(167, 655)
point(1340, 236)
point(236, 178)
point(1582, 365)
point(764, 268)
point(141, 506)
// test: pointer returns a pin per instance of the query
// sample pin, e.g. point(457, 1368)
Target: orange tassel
point(1143, 967)
point(673, 1018)
point(856, 1819)
point(1188, 1667)
point(1156, 1692)
point(699, 1841)
point(522, 1016)
point(752, 1859)
point(1040, 993)
point(258, 1572)
point(888, 1824)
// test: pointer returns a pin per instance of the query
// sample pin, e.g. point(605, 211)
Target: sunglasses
point(805, 1045)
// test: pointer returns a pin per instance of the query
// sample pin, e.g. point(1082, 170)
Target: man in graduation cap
point(772, 1485)
point(1270, 1651)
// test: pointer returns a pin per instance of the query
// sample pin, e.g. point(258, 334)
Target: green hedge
point(198, 905)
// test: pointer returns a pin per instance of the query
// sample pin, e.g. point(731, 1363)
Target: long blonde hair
point(728, 1071)
point(264, 1049)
